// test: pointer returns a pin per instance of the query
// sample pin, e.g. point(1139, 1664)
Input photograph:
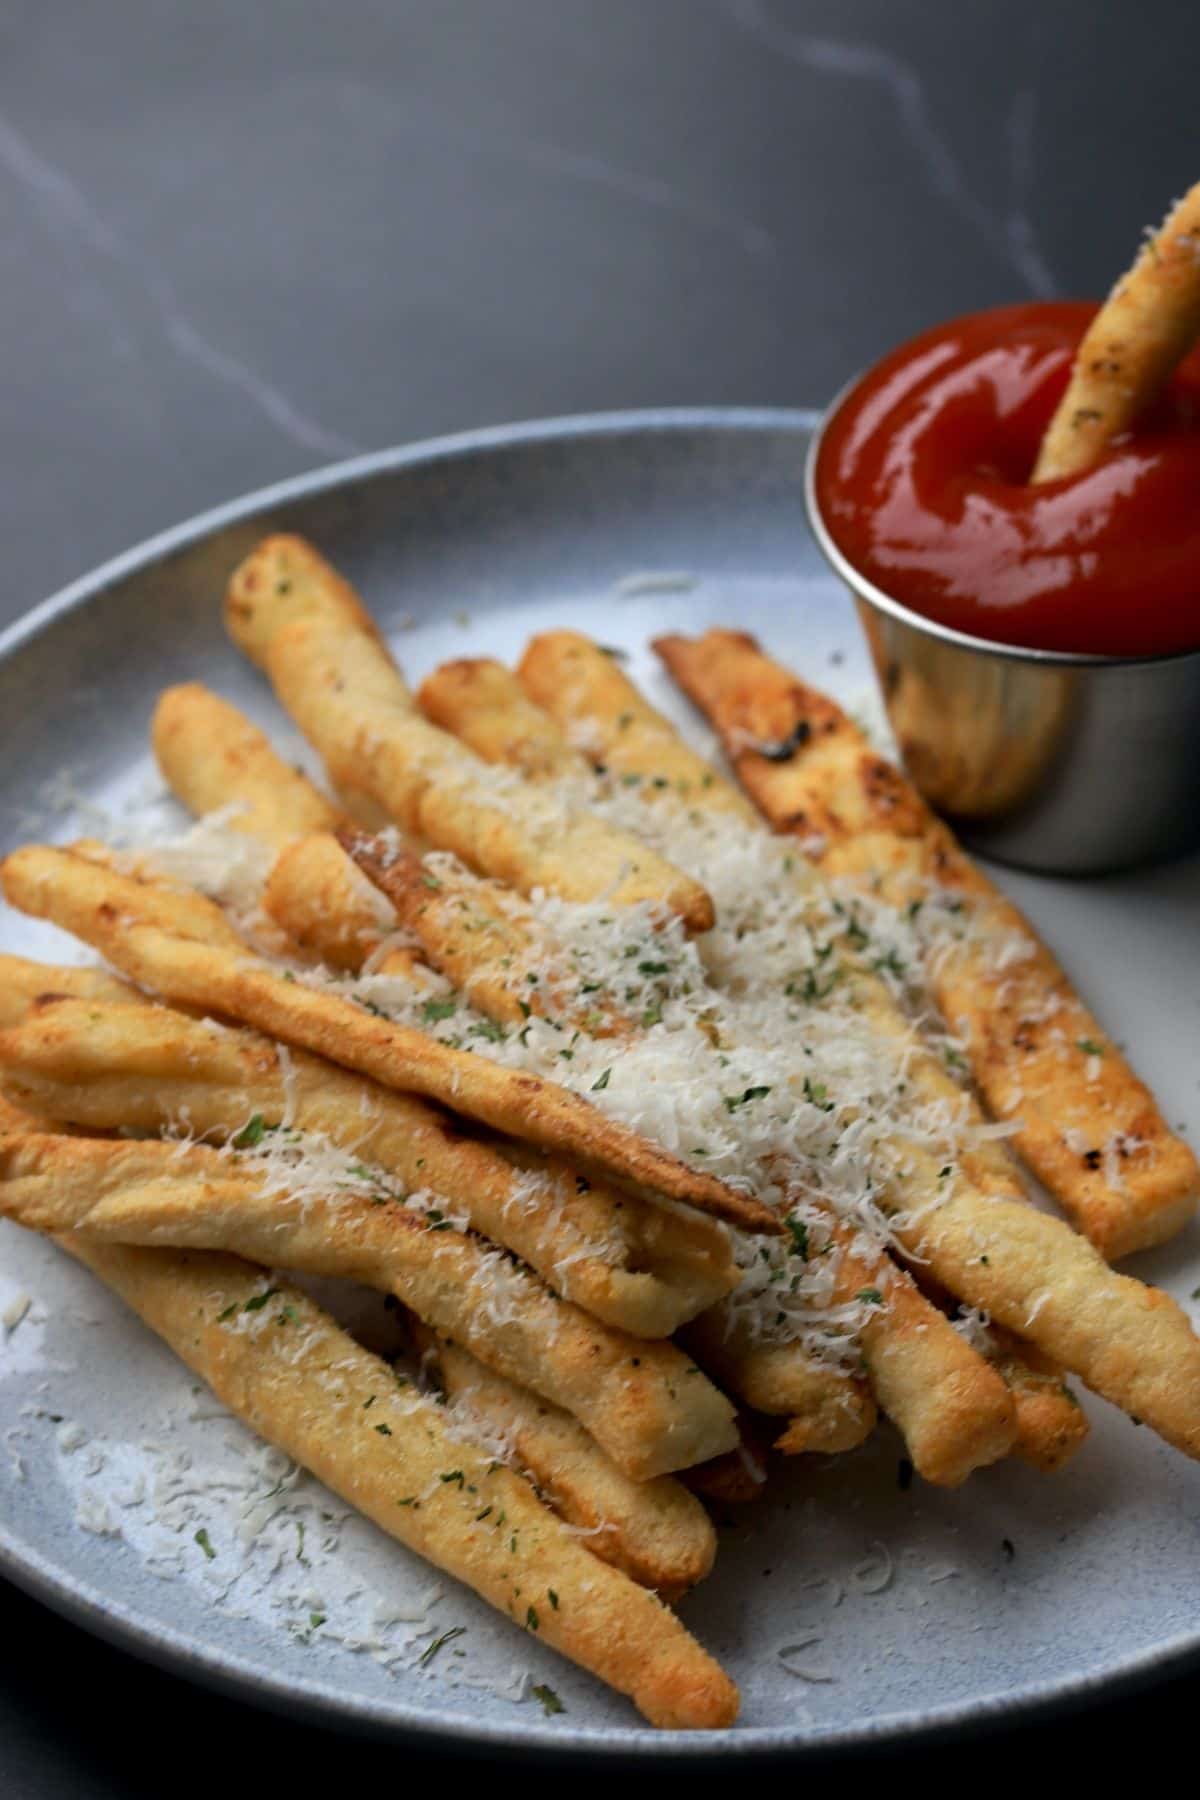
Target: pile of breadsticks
point(674, 1135)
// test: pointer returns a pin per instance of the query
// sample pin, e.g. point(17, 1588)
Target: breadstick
point(1051, 1424)
point(1085, 1124)
point(655, 1530)
point(637, 1267)
point(419, 1481)
point(315, 893)
point(1147, 324)
point(105, 910)
point(827, 1410)
point(316, 896)
point(589, 695)
point(338, 681)
point(643, 1402)
point(481, 937)
point(13, 1120)
point(23, 982)
point(210, 755)
point(477, 701)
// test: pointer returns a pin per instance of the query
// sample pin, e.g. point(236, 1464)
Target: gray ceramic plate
point(848, 1609)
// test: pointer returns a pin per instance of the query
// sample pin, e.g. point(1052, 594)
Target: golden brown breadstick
point(481, 937)
point(740, 1475)
point(953, 1410)
point(1051, 1424)
point(152, 897)
point(1085, 1124)
point(211, 755)
point(327, 907)
point(105, 910)
point(23, 982)
point(338, 681)
point(12, 1119)
point(827, 1410)
point(655, 1530)
point(285, 578)
point(418, 1480)
point(589, 696)
point(477, 701)
point(638, 1267)
point(643, 1402)
point(1147, 324)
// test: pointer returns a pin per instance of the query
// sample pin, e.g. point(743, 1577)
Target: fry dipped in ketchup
point(926, 474)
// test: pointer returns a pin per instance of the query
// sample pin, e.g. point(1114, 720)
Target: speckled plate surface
point(848, 1610)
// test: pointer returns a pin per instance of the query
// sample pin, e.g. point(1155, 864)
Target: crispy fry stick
point(327, 907)
point(639, 1268)
point(740, 1475)
point(1086, 1125)
point(656, 1531)
point(952, 1409)
point(435, 789)
point(1051, 1424)
point(105, 909)
point(304, 1388)
point(1038, 1279)
point(642, 1401)
point(13, 1120)
point(338, 681)
point(589, 695)
point(950, 1406)
point(480, 935)
point(1147, 324)
point(23, 982)
point(827, 1411)
point(210, 754)
point(477, 701)
point(156, 900)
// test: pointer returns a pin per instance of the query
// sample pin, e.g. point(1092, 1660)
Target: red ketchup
point(922, 481)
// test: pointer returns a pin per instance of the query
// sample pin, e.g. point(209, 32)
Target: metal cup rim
point(867, 590)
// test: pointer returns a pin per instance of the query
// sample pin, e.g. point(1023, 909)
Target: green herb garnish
point(799, 1231)
point(252, 1132)
point(430, 1651)
point(734, 1101)
point(257, 1303)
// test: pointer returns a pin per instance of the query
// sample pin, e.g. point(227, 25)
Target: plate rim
point(228, 1671)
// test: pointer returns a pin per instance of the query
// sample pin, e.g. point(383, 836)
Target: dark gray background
point(244, 237)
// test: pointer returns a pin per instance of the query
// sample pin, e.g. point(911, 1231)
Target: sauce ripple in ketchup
point(922, 481)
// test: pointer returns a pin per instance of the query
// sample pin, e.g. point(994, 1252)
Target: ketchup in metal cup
point(923, 483)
